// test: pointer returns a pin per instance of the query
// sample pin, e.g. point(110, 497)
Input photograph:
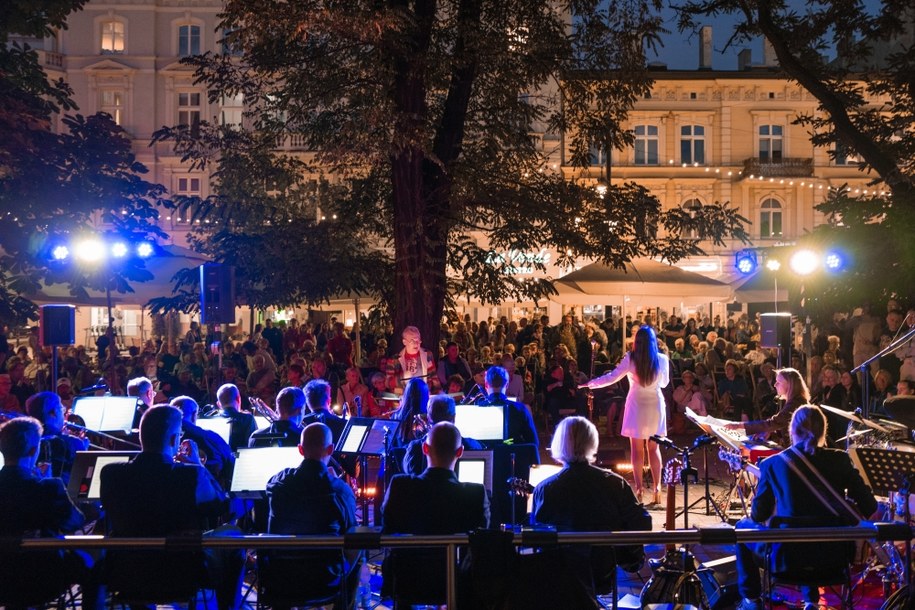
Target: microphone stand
point(687, 472)
point(864, 366)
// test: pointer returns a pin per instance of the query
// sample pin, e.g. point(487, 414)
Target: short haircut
point(315, 439)
point(227, 395)
point(451, 344)
point(298, 368)
point(441, 408)
point(42, 405)
point(410, 330)
point(317, 392)
point(158, 424)
point(575, 440)
point(375, 377)
point(138, 385)
point(188, 406)
point(443, 440)
point(18, 436)
point(497, 377)
point(290, 400)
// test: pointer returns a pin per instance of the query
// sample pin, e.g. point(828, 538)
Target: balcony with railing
point(785, 167)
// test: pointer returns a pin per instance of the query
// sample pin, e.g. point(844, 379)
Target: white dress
point(645, 413)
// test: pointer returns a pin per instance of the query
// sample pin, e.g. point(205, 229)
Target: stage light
point(834, 261)
point(804, 262)
point(89, 250)
point(745, 261)
point(773, 264)
point(60, 253)
point(119, 250)
point(144, 250)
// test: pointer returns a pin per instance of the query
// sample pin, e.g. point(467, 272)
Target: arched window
point(692, 206)
point(770, 219)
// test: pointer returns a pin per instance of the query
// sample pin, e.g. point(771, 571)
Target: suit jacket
point(220, 461)
point(153, 496)
point(434, 502)
point(331, 420)
point(294, 509)
point(521, 428)
point(242, 427)
point(281, 433)
point(782, 492)
point(584, 498)
point(29, 505)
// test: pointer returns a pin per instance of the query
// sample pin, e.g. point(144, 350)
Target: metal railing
point(371, 539)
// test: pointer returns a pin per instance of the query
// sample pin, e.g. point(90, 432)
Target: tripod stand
point(688, 473)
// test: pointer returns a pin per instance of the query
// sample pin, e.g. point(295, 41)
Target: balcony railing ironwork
point(786, 167)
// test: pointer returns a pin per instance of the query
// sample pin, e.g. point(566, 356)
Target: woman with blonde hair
point(645, 413)
point(792, 393)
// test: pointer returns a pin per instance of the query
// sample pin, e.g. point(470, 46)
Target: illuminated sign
point(518, 262)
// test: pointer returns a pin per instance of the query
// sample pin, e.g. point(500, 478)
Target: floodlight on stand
point(119, 250)
point(745, 261)
point(60, 253)
point(773, 264)
point(89, 250)
point(144, 250)
point(804, 262)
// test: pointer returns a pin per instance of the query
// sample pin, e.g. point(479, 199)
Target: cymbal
point(854, 434)
point(389, 396)
point(842, 413)
point(901, 409)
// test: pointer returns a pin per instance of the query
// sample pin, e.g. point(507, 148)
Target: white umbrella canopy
point(644, 281)
point(162, 267)
point(760, 287)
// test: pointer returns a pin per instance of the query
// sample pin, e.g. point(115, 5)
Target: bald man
point(310, 499)
point(432, 503)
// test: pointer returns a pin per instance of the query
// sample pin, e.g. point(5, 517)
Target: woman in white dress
point(645, 413)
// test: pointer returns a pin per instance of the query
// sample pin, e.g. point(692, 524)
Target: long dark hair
point(645, 355)
point(414, 402)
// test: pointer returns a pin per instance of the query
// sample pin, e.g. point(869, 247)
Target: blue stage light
point(834, 261)
point(745, 262)
point(144, 250)
point(60, 253)
point(119, 250)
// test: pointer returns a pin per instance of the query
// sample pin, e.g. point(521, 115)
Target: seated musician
point(310, 499)
point(286, 430)
point(31, 505)
point(317, 397)
point(142, 388)
point(792, 392)
point(216, 453)
point(585, 498)
point(521, 427)
point(57, 449)
point(441, 408)
point(434, 502)
point(782, 491)
point(241, 424)
point(165, 491)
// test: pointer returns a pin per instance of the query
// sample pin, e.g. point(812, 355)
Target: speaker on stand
point(775, 333)
point(56, 327)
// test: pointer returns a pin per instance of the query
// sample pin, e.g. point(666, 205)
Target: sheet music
point(255, 467)
point(471, 471)
point(705, 420)
point(95, 485)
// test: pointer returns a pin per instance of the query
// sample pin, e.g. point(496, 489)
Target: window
point(692, 206)
point(188, 40)
point(112, 102)
point(233, 107)
point(692, 144)
point(597, 156)
point(845, 156)
point(771, 138)
point(646, 145)
point(113, 37)
point(186, 186)
point(770, 219)
point(189, 109)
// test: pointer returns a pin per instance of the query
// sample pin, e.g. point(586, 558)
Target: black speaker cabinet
point(775, 330)
point(217, 294)
point(57, 324)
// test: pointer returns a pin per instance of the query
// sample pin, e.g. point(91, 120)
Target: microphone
point(100, 384)
point(703, 439)
point(663, 441)
point(345, 410)
point(358, 401)
point(474, 391)
point(208, 410)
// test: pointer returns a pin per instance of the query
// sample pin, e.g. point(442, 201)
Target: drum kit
point(894, 433)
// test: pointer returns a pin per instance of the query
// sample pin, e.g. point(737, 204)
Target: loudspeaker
point(57, 325)
point(775, 330)
point(719, 581)
point(217, 294)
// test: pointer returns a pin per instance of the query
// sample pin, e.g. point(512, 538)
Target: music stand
point(364, 437)
point(883, 469)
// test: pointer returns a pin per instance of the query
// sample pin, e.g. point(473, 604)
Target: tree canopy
point(55, 186)
point(854, 58)
point(429, 114)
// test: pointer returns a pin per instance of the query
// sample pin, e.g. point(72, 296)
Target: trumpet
point(421, 425)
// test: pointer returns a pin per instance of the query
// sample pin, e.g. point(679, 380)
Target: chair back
point(819, 563)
